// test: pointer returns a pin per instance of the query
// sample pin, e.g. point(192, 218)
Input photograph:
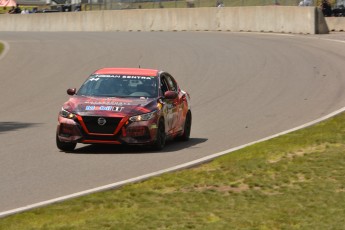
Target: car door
point(179, 106)
point(175, 111)
point(170, 109)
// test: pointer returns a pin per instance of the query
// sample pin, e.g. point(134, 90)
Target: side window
point(171, 83)
point(164, 85)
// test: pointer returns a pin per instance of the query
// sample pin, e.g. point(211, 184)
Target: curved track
point(243, 86)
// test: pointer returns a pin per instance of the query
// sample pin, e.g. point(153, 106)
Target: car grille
point(93, 125)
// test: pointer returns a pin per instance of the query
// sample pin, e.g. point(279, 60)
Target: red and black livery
point(125, 106)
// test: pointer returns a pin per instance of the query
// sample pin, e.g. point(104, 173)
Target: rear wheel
point(65, 146)
point(187, 127)
point(161, 137)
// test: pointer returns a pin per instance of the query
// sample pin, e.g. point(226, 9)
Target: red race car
point(125, 106)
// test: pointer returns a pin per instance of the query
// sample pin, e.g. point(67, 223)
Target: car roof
point(128, 71)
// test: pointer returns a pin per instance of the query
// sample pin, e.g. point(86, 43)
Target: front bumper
point(122, 131)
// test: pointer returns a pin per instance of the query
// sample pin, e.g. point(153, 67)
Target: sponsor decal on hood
point(110, 106)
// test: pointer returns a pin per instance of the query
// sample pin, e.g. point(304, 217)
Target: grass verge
point(1, 48)
point(295, 181)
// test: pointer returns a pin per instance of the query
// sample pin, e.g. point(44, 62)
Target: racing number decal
point(104, 108)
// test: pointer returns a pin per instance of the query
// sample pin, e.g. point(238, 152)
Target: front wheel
point(65, 146)
point(161, 137)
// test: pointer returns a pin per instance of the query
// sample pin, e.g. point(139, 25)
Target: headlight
point(143, 117)
point(64, 113)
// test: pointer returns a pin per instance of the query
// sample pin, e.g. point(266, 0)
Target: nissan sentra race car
point(130, 106)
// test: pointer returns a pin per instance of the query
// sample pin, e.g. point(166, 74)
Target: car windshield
point(111, 85)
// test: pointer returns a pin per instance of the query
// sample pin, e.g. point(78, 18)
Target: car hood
point(111, 107)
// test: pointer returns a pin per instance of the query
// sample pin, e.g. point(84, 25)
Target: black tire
point(65, 146)
point(187, 127)
point(161, 137)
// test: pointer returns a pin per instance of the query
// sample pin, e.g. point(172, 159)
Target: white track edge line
point(174, 168)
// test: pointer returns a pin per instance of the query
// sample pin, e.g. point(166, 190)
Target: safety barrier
point(278, 19)
point(336, 23)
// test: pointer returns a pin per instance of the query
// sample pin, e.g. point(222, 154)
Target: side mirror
point(170, 95)
point(71, 91)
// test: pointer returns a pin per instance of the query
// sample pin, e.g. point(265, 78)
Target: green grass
point(4, 10)
point(1, 47)
point(295, 181)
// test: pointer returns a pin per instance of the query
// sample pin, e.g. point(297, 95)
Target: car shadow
point(171, 146)
point(12, 126)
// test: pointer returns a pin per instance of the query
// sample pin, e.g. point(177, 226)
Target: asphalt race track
point(244, 87)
